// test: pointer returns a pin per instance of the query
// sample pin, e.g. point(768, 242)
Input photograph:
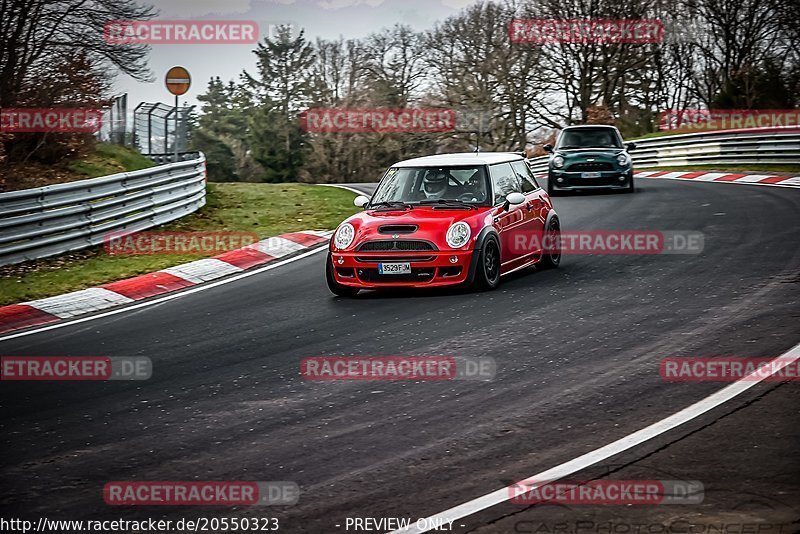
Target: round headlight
point(344, 235)
point(558, 162)
point(623, 159)
point(458, 235)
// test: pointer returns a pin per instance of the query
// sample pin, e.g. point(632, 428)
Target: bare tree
point(740, 38)
point(37, 35)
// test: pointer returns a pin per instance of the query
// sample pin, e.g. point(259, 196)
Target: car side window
point(524, 176)
point(532, 175)
point(504, 180)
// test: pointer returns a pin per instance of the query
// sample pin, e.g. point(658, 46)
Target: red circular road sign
point(178, 80)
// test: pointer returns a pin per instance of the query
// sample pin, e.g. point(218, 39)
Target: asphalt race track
point(577, 348)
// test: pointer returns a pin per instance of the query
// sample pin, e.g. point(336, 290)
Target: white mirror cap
point(515, 198)
point(361, 201)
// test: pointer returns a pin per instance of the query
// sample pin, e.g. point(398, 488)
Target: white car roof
point(464, 158)
point(581, 126)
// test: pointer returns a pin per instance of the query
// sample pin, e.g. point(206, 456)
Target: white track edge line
point(346, 188)
point(612, 449)
point(164, 298)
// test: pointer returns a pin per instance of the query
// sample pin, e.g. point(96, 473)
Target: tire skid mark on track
point(612, 449)
point(639, 458)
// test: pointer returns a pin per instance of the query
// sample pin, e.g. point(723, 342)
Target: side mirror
point(361, 201)
point(513, 199)
point(548, 148)
point(631, 146)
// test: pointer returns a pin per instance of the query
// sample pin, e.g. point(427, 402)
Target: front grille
point(578, 182)
point(417, 275)
point(391, 246)
point(397, 228)
point(393, 258)
point(591, 166)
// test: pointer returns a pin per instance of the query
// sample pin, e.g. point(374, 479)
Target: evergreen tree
point(282, 88)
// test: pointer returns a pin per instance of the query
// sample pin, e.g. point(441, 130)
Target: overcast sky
point(327, 19)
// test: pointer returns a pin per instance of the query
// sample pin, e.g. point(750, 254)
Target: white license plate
point(590, 175)
point(394, 268)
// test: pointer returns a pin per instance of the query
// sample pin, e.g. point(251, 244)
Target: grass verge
point(266, 209)
point(109, 159)
point(100, 160)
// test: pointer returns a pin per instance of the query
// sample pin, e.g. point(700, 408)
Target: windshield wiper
point(391, 204)
point(447, 202)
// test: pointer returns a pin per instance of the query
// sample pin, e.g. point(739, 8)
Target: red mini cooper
point(453, 219)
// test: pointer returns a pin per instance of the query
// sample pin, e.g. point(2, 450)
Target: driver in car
point(434, 185)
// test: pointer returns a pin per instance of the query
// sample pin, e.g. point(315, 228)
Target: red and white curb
point(723, 177)
point(731, 178)
point(69, 305)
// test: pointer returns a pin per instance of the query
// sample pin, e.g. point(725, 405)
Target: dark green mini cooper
point(589, 157)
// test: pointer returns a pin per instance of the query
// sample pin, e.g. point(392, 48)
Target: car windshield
point(589, 138)
point(429, 185)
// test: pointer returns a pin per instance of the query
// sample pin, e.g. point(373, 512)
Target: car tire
point(336, 288)
point(487, 271)
point(551, 260)
point(631, 188)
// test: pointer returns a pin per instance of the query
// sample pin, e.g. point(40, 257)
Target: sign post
point(178, 82)
point(475, 120)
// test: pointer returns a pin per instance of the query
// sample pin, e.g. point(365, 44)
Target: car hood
point(432, 224)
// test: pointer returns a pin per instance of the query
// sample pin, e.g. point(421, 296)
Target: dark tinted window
point(524, 175)
point(589, 138)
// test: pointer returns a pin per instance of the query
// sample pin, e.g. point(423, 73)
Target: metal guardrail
point(729, 147)
point(40, 222)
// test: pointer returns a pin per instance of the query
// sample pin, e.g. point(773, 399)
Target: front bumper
point(616, 179)
point(428, 268)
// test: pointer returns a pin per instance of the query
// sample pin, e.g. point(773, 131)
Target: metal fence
point(731, 147)
point(152, 128)
point(157, 128)
point(50, 220)
point(114, 125)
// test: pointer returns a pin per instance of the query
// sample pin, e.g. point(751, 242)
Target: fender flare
point(488, 232)
point(552, 213)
